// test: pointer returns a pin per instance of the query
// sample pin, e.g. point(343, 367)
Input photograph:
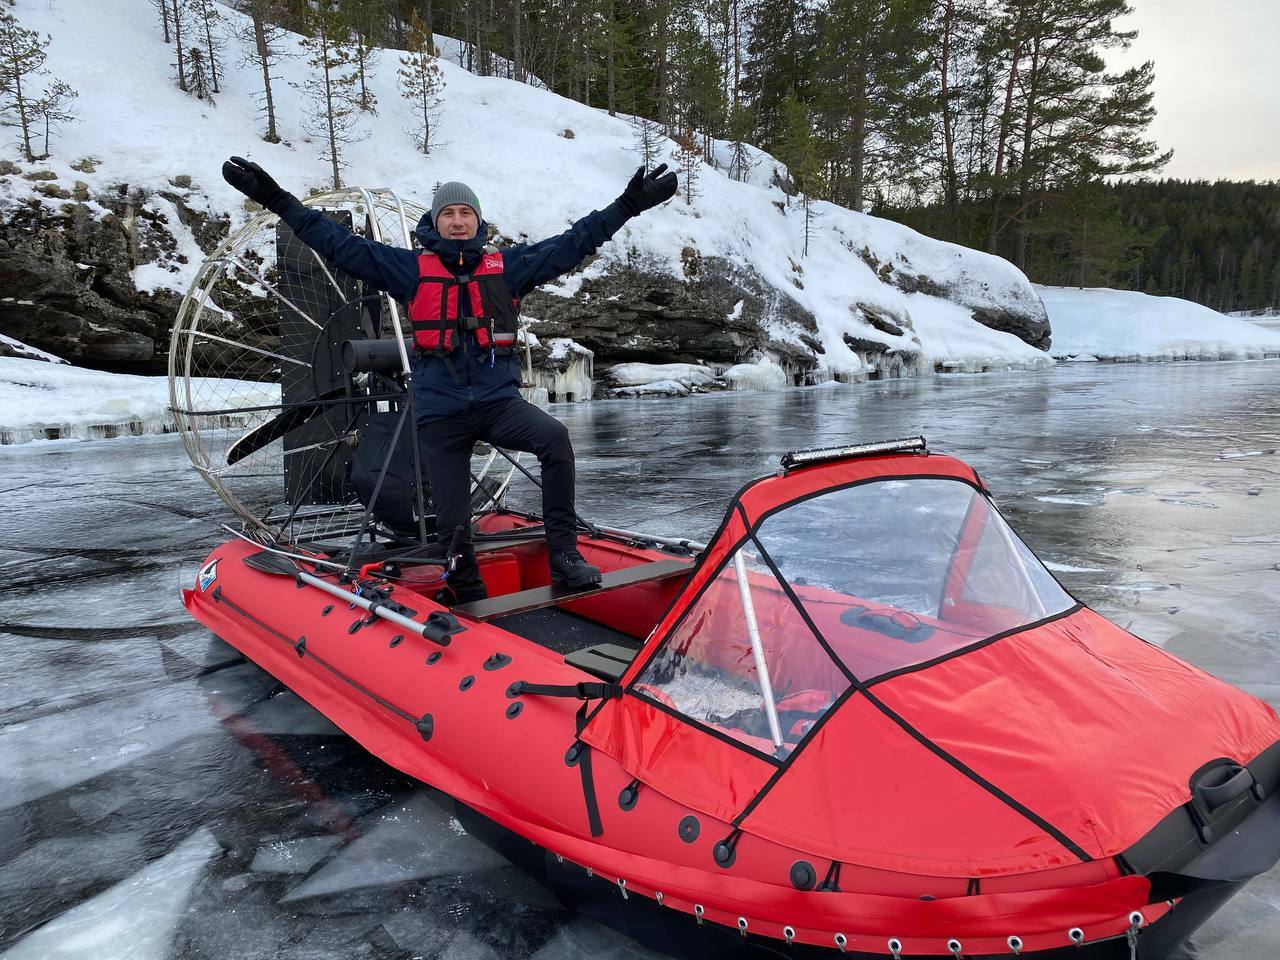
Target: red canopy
point(957, 714)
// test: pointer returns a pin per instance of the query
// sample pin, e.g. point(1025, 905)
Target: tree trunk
point(332, 121)
point(517, 55)
point(609, 69)
point(208, 42)
point(1006, 118)
point(177, 38)
point(23, 119)
point(1028, 170)
point(948, 135)
point(264, 55)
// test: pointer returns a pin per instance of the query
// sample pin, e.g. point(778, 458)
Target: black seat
point(608, 661)
point(507, 604)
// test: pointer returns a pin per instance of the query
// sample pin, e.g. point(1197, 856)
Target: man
point(463, 302)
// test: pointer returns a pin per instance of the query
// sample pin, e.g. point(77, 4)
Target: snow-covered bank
point(40, 400)
point(861, 280)
point(1122, 325)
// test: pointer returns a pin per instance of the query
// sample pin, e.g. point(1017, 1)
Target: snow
point(1104, 324)
point(141, 130)
point(25, 350)
point(568, 370)
point(48, 401)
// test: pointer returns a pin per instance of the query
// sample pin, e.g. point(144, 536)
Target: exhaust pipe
point(373, 356)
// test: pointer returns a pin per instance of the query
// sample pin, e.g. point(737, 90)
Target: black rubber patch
point(514, 689)
point(513, 709)
point(434, 658)
point(803, 876)
point(572, 754)
point(467, 681)
point(724, 854)
point(356, 625)
point(689, 829)
point(397, 640)
point(629, 794)
point(426, 726)
point(497, 661)
point(327, 610)
point(300, 648)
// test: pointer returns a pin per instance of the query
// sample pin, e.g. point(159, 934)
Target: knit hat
point(451, 193)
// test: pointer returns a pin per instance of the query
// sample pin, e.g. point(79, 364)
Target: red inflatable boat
point(863, 719)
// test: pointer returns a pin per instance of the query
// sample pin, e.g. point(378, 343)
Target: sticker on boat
point(208, 573)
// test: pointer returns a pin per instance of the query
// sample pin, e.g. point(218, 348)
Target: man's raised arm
point(380, 265)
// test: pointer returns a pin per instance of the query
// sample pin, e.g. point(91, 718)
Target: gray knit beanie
point(451, 193)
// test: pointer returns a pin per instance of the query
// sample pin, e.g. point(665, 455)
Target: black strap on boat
point(589, 792)
point(578, 691)
point(831, 882)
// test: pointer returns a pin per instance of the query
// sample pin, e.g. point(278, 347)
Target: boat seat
point(536, 597)
point(608, 661)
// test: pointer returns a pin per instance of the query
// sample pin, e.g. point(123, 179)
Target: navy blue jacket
point(476, 377)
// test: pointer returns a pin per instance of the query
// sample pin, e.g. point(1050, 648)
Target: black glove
point(256, 184)
point(647, 190)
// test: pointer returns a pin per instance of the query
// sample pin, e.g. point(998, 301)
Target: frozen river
point(161, 798)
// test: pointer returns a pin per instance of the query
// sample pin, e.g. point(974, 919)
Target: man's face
point(457, 222)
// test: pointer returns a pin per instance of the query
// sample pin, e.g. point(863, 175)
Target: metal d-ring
point(698, 911)
point(622, 885)
point(1015, 944)
point(742, 927)
point(789, 934)
point(954, 946)
point(895, 948)
point(842, 941)
point(1076, 936)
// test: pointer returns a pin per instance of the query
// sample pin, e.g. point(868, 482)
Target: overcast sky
point(1217, 84)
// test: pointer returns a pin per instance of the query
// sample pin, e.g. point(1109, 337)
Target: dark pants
point(513, 425)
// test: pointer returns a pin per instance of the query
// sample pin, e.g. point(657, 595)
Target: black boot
point(568, 567)
point(464, 584)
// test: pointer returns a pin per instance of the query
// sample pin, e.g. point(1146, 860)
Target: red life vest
point(434, 309)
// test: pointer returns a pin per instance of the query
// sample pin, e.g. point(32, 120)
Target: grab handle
point(1229, 781)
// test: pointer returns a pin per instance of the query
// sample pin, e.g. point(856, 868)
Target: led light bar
point(804, 458)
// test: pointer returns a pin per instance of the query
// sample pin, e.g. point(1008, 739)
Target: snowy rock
point(1125, 326)
point(765, 374)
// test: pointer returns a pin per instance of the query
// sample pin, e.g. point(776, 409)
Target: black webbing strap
point(577, 691)
point(589, 792)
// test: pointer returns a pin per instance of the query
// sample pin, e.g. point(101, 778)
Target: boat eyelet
point(789, 934)
point(698, 911)
point(513, 710)
point(954, 946)
point(895, 948)
point(434, 658)
point(622, 886)
point(842, 942)
point(742, 927)
point(1136, 919)
point(689, 829)
point(466, 682)
point(1076, 936)
point(396, 640)
point(1015, 944)
point(327, 610)
point(657, 895)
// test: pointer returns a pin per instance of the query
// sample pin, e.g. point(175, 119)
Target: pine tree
point(362, 16)
point(875, 102)
point(781, 54)
point(741, 123)
point(54, 108)
point(22, 57)
point(163, 7)
point(199, 84)
point(646, 140)
point(688, 162)
point(331, 88)
point(421, 81)
point(207, 20)
point(262, 45)
point(798, 149)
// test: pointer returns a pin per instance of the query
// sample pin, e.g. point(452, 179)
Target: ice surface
point(134, 920)
point(96, 538)
point(293, 856)
point(409, 842)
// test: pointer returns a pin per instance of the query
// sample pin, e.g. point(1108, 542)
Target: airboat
point(862, 719)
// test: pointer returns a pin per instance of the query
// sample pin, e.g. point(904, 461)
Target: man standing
point(463, 302)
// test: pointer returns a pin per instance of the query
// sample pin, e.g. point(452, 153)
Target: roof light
point(803, 458)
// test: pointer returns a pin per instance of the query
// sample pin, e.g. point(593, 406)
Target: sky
point(1217, 84)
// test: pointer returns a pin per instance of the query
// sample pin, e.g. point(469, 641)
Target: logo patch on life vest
point(492, 261)
point(208, 573)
